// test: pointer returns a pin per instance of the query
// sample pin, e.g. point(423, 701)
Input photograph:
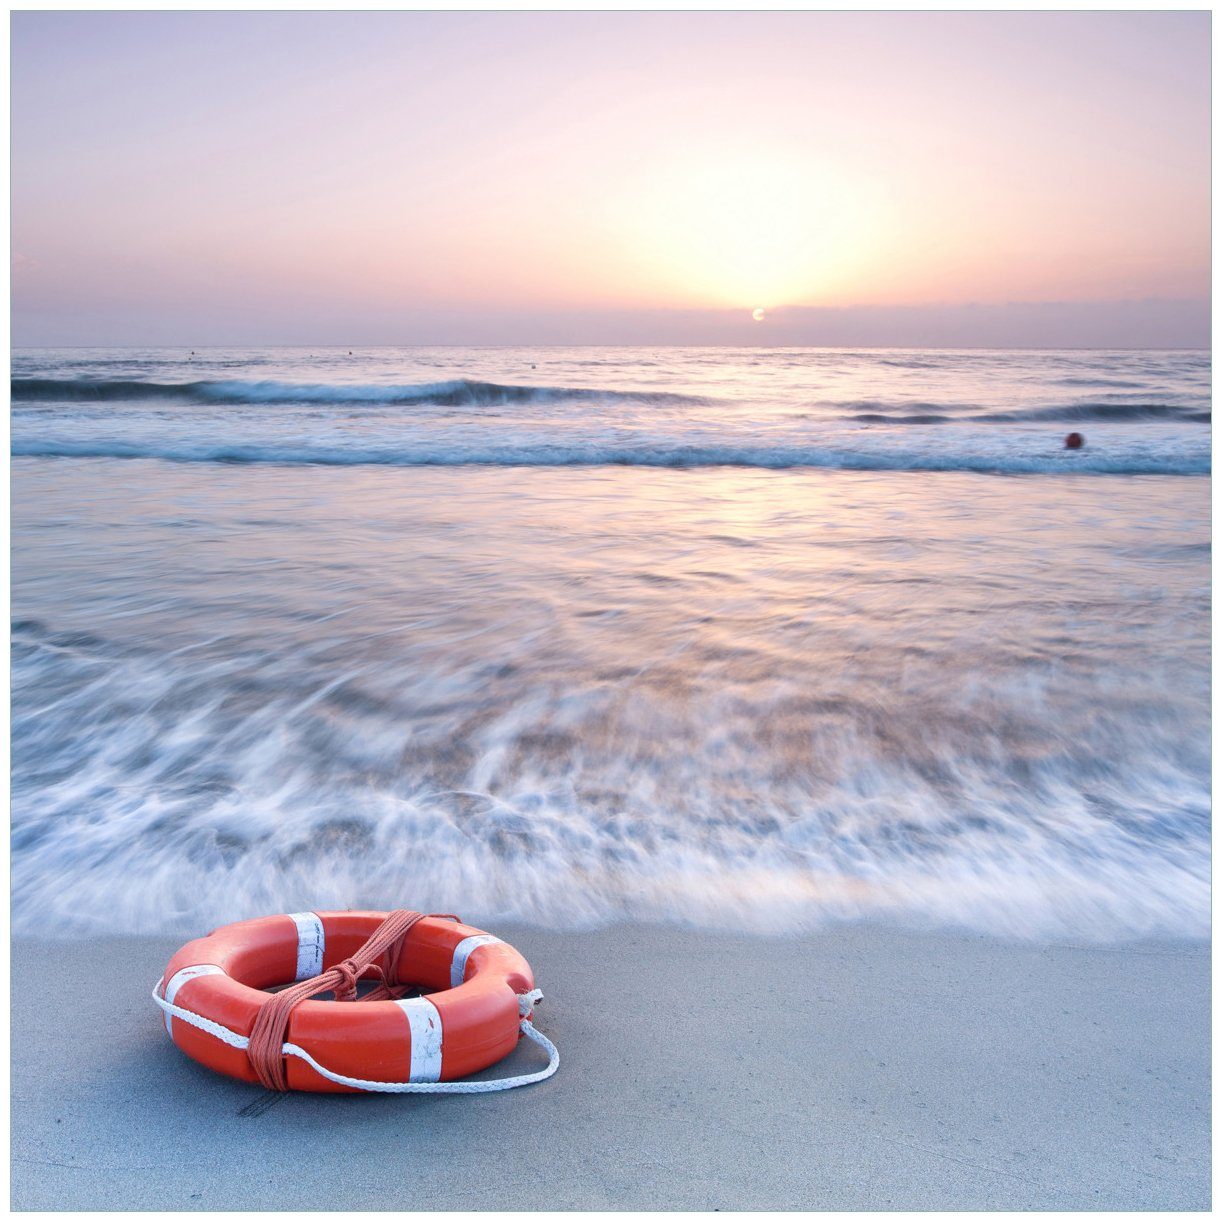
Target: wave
point(914, 418)
point(1104, 412)
point(1072, 413)
point(1096, 380)
point(232, 780)
point(456, 393)
point(1094, 461)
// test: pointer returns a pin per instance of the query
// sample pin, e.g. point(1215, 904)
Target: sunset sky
point(421, 177)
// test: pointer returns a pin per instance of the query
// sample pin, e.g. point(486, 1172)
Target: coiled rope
point(267, 1049)
point(272, 1022)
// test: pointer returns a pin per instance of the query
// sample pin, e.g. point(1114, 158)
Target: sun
point(720, 226)
point(758, 314)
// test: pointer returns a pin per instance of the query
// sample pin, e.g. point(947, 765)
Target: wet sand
point(860, 1068)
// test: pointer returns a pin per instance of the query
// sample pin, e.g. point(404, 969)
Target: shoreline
point(858, 1068)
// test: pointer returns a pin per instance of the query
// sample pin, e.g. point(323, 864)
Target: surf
point(456, 392)
point(677, 456)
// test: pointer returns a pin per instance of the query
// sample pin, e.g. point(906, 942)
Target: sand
point(860, 1068)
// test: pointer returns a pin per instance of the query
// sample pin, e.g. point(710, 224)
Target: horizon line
point(620, 344)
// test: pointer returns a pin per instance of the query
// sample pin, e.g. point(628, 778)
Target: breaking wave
point(168, 791)
point(1070, 413)
point(460, 392)
point(643, 454)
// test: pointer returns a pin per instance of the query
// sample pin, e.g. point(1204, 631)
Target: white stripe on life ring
point(179, 979)
point(425, 1023)
point(311, 942)
point(462, 952)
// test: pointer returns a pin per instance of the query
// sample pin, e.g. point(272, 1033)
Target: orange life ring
point(480, 993)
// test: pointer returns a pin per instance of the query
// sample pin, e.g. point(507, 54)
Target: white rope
point(526, 1002)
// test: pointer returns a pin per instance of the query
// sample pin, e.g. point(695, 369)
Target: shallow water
point(758, 692)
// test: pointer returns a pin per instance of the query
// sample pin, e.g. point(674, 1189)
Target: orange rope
point(272, 1021)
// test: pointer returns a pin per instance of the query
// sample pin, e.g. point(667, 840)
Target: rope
point(267, 1043)
point(525, 1002)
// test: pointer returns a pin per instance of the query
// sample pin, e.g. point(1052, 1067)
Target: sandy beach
point(860, 1068)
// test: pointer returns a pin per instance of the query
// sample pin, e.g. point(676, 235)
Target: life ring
point(480, 997)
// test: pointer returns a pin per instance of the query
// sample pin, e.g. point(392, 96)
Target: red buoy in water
point(1075, 441)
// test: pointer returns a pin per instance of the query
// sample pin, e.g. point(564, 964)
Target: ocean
point(735, 638)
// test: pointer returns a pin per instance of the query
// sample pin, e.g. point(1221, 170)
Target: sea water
point(750, 638)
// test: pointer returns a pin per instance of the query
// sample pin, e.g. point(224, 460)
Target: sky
point(1012, 179)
